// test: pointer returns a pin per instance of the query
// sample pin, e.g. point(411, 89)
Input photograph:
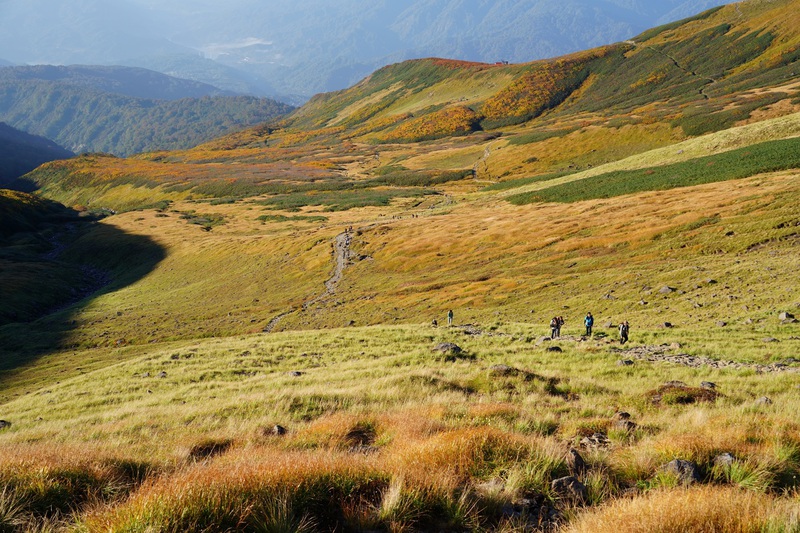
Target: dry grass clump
point(702, 509)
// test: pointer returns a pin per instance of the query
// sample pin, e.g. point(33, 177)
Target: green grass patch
point(297, 218)
point(519, 182)
point(770, 156)
point(539, 136)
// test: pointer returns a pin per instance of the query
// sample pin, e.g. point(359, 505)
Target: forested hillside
point(21, 153)
point(89, 120)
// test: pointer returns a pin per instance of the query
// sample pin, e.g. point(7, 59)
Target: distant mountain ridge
point(21, 152)
point(312, 46)
point(122, 110)
point(128, 81)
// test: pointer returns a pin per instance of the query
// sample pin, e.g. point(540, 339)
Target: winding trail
point(342, 255)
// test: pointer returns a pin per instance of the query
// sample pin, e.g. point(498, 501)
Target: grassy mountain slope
point(20, 153)
point(290, 275)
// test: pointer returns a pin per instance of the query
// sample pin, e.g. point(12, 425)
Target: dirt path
point(342, 255)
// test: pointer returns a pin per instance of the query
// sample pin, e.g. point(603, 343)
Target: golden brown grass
point(705, 509)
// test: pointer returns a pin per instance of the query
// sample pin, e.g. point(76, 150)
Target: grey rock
point(162, 374)
point(570, 488)
point(554, 349)
point(595, 441)
point(448, 347)
point(295, 373)
point(724, 460)
point(763, 401)
point(721, 323)
point(785, 316)
point(624, 362)
point(769, 339)
point(625, 425)
point(5, 424)
point(502, 370)
point(665, 325)
point(278, 430)
point(708, 385)
point(621, 415)
point(685, 471)
point(666, 289)
point(575, 462)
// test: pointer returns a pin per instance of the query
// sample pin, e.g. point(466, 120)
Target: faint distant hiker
point(554, 327)
point(588, 322)
point(560, 320)
point(623, 332)
point(450, 317)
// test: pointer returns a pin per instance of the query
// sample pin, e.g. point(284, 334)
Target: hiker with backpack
point(588, 322)
point(554, 327)
point(623, 332)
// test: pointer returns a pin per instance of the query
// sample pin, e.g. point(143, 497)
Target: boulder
point(624, 362)
point(621, 415)
point(5, 424)
point(708, 385)
point(278, 430)
point(625, 425)
point(575, 462)
point(666, 289)
point(448, 348)
point(785, 316)
point(763, 401)
point(570, 488)
point(721, 323)
point(554, 349)
point(686, 471)
point(724, 460)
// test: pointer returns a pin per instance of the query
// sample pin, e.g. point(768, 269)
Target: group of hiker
point(558, 321)
point(588, 322)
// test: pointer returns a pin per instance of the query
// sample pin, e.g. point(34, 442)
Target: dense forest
point(85, 119)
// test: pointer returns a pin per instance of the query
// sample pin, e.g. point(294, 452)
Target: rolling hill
point(266, 346)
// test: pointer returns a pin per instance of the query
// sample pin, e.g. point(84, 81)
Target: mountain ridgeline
point(122, 110)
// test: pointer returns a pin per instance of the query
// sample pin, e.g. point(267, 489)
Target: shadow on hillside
point(86, 259)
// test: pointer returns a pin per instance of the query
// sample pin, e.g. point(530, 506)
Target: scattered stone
point(666, 289)
point(665, 325)
point(770, 339)
point(763, 401)
point(624, 362)
point(571, 488)
point(785, 316)
point(625, 425)
point(595, 441)
point(724, 460)
point(162, 374)
point(608, 324)
point(448, 348)
point(554, 349)
point(5, 424)
point(146, 374)
point(708, 385)
point(676, 346)
point(278, 430)
point(621, 415)
point(642, 302)
point(575, 462)
point(502, 370)
point(609, 296)
point(685, 471)
point(295, 373)
point(721, 323)
point(711, 281)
